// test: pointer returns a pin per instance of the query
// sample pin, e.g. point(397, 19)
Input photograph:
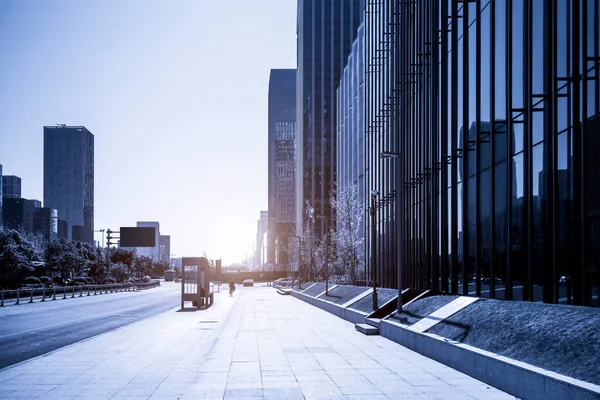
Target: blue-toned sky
point(175, 93)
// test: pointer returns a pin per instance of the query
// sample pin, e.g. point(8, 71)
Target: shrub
point(58, 280)
point(46, 281)
point(32, 281)
point(78, 281)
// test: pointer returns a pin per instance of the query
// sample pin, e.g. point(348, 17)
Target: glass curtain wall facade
point(69, 177)
point(11, 187)
point(326, 30)
point(350, 118)
point(282, 165)
point(495, 129)
point(1, 221)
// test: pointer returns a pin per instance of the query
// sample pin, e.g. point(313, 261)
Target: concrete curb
point(517, 378)
point(347, 314)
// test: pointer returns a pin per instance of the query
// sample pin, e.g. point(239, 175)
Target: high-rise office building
point(350, 184)
point(69, 178)
point(326, 30)
point(260, 251)
point(1, 222)
point(19, 213)
point(63, 229)
point(282, 164)
point(11, 187)
point(45, 222)
point(165, 248)
point(490, 116)
point(350, 118)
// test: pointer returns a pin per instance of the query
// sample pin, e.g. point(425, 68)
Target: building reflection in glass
point(494, 108)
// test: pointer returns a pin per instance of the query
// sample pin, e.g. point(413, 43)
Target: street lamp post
point(299, 261)
point(374, 194)
point(102, 232)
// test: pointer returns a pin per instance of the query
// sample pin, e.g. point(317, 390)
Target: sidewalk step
point(284, 291)
point(374, 322)
point(366, 329)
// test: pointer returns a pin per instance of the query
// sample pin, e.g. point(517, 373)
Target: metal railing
point(30, 295)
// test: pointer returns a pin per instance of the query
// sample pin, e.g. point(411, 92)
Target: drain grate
point(208, 322)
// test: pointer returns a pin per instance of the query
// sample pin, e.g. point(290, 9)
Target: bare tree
point(324, 256)
point(348, 238)
point(305, 251)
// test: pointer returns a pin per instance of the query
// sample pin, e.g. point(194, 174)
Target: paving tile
point(278, 385)
point(323, 396)
point(137, 390)
point(243, 392)
point(282, 393)
point(200, 393)
point(279, 372)
point(313, 377)
point(279, 378)
point(360, 389)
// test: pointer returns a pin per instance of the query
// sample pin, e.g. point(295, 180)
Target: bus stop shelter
point(196, 278)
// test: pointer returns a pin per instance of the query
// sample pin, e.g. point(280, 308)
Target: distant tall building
point(63, 229)
point(165, 248)
point(326, 30)
point(18, 214)
point(69, 178)
point(11, 187)
point(282, 163)
point(45, 222)
point(262, 225)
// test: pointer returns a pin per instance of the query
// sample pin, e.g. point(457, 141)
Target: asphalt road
point(29, 330)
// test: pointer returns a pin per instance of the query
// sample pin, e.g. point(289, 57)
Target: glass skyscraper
point(69, 178)
point(350, 118)
point(282, 164)
point(326, 30)
point(490, 110)
point(11, 187)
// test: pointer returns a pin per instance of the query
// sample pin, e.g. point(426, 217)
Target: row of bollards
point(98, 290)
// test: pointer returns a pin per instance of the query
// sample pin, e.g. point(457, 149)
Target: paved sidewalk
point(257, 344)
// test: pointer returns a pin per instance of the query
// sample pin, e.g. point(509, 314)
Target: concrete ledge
point(517, 378)
point(347, 314)
point(284, 291)
point(366, 329)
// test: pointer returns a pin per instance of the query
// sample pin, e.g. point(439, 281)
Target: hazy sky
point(175, 93)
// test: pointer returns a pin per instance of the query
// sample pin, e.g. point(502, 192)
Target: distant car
point(282, 282)
point(248, 282)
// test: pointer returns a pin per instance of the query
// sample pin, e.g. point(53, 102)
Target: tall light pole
point(311, 219)
point(374, 194)
point(102, 232)
point(399, 223)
